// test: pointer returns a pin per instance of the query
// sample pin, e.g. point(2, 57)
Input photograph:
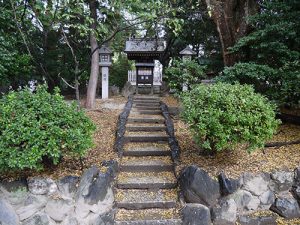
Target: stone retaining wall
point(85, 200)
point(225, 201)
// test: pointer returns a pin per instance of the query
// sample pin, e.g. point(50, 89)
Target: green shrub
point(38, 126)
point(119, 71)
point(184, 72)
point(223, 115)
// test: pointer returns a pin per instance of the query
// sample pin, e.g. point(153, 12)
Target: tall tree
point(230, 17)
point(92, 86)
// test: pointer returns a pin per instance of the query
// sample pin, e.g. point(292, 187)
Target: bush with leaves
point(40, 126)
point(224, 115)
point(184, 72)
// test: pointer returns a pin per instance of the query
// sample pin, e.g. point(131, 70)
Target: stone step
point(145, 120)
point(151, 137)
point(146, 112)
point(153, 108)
point(146, 164)
point(146, 104)
point(146, 98)
point(149, 180)
point(148, 217)
point(150, 222)
point(145, 199)
point(145, 128)
point(147, 151)
point(134, 115)
point(146, 101)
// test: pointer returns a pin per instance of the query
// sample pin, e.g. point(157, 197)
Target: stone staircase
point(146, 190)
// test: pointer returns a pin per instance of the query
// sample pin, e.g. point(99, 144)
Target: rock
point(282, 180)
point(83, 209)
point(15, 185)
point(225, 214)
point(38, 219)
point(112, 166)
point(59, 209)
point(245, 201)
point(128, 90)
point(114, 90)
point(174, 111)
point(286, 207)
point(198, 187)
point(297, 175)
point(104, 219)
point(31, 206)
point(256, 184)
point(68, 185)
point(70, 221)
point(8, 214)
point(260, 220)
point(267, 199)
point(41, 186)
point(296, 192)
point(196, 214)
point(227, 186)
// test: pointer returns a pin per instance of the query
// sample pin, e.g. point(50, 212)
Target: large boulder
point(286, 207)
point(42, 186)
point(227, 186)
point(59, 209)
point(94, 193)
point(256, 184)
point(114, 90)
point(128, 90)
point(196, 214)
point(8, 215)
point(93, 186)
point(198, 187)
point(282, 180)
point(225, 213)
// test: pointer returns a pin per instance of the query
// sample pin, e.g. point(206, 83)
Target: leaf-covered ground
point(233, 163)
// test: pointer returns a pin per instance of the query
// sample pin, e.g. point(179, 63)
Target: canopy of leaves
point(184, 72)
point(273, 50)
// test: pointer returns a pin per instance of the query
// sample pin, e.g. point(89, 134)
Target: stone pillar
point(105, 79)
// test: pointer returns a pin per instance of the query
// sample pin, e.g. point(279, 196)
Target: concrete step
point(149, 98)
point(145, 128)
point(145, 199)
point(146, 164)
point(145, 120)
point(151, 137)
point(149, 180)
point(148, 217)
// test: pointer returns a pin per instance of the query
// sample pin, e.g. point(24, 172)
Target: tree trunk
point(92, 86)
point(230, 16)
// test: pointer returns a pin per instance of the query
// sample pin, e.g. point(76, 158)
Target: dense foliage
point(271, 53)
point(119, 70)
point(223, 115)
point(39, 126)
point(186, 72)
